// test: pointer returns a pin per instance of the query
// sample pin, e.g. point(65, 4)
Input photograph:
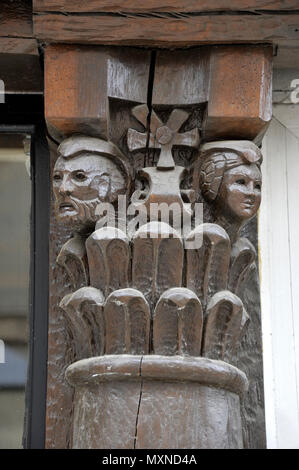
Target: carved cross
point(162, 136)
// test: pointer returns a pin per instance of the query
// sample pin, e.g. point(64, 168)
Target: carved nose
point(65, 188)
point(250, 189)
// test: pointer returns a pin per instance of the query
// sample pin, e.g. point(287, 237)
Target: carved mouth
point(248, 204)
point(66, 207)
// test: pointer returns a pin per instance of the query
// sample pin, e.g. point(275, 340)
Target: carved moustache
point(80, 211)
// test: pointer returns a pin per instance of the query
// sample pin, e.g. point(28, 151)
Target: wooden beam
point(66, 106)
point(239, 104)
point(18, 46)
point(78, 81)
point(167, 31)
point(16, 18)
point(148, 6)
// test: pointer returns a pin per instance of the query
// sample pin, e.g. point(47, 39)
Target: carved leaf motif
point(157, 261)
point(83, 311)
point(169, 264)
point(225, 323)
point(243, 255)
point(142, 271)
point(178, 321)
point(208, 266)
point(72, 258)
point(108, 254)
point(127, 319)
point(118, 259)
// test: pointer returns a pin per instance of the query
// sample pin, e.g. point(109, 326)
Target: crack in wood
point(139, 403)
point(16, 37)
point(150, 88)
point(171, 15)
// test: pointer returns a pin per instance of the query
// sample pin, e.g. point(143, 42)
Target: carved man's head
point(231, 178)
point(88, 171)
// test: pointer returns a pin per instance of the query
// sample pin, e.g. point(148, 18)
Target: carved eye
point(57, 177)
point(258, 186)
point(241, 181)
point(80, 176)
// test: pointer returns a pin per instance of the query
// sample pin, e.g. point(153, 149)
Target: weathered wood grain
point(81, 106)
point(158, 402)
point(83, 312)
point(71, 97)
point(207, 267)
point(108, 253)
point(159, 274)
point(167, 31)
point(18, 46)
point(72, 258)
point(127, 323)
point(175, 416)
point(59, 392)
point(16, 18)
point(91, 75)
point(243, 254)
point(177, 323)
point(187, 84)
point(245, 109)
point(165, 6)
point(128, 74)
point(225, 320)
point(157, 263)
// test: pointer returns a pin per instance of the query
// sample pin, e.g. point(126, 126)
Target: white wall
point(279, 271)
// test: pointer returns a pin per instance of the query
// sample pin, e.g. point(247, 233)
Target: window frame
point(36, 386)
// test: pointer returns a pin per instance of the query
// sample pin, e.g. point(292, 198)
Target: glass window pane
point(15, 202)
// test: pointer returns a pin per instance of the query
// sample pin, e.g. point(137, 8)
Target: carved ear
point(103, 183)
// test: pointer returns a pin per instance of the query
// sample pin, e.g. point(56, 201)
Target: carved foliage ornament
point(149, 266)
point(150, 346)
point(144, 294)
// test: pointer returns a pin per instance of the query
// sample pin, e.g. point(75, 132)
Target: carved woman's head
point(231, 178)
point(88, 171)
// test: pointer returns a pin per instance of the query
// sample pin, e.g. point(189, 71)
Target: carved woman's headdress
point(218, 157)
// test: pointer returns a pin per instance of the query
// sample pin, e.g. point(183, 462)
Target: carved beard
point(81, 214)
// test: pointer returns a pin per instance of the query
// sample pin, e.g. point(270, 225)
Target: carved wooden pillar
point(154, 343)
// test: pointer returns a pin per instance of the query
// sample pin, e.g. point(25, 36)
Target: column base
point(156, 402)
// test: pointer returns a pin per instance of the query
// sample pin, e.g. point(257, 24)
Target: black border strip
point(35, 422)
